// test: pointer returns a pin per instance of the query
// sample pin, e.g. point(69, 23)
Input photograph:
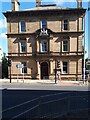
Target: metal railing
point(49, 106)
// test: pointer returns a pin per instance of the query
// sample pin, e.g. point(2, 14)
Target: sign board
point(19, 65)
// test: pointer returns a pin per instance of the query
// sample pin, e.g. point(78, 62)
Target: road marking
point(24, 112)
point(20, 104)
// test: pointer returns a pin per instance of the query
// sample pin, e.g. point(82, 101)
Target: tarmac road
point(15, 102)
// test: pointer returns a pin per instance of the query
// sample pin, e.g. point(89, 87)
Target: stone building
point(44, 38)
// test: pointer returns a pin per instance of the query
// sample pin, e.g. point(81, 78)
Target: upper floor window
point(23, 46)
point(24, 69)
point(44, 24)
point(22, 26)
point(65, 67)
point(65, 24)
point(44, 46)
point(65, 45)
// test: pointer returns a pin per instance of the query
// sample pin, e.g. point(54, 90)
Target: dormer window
point(22, 26)
point(44, 24)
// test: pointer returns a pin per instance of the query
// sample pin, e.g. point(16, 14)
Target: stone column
point(51, 66)
point(27, 39)
point(38, 46)
point(38, 70)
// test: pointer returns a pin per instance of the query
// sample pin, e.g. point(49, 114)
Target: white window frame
point(24, 26)
point(67, 24)
point(46, 46)
point(62, 67)
point(41, 23)
point(63, 45)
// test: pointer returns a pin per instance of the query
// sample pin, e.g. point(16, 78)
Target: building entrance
point(44, 70)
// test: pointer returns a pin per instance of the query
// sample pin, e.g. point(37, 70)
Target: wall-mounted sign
point(19, 65)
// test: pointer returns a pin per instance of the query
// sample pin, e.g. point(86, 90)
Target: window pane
point(65, 48)
point(65, 24)
point(65, 21)
point(23, 27)
point(24, 69)
point(64, 67)
point(44, 24)
point(44, 46)
point(23, 46)
point(65, 45)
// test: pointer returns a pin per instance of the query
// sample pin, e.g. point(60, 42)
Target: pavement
point(61, 83)
point(43, 85)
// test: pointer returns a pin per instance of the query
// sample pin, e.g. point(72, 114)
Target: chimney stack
point(79, 3)
point(15, 5)
point(38, 3)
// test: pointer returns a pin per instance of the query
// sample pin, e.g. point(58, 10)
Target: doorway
point(44, 70)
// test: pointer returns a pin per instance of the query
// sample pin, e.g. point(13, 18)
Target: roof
point(52, 9)
point(45, 7)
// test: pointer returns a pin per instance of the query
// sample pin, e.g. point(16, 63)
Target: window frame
point(63, 67)
point(25, 68)
point(45, 24)
point(64, 45)
point(22, 45)
point(21, 29)
point(65, 24)
point(42, 46)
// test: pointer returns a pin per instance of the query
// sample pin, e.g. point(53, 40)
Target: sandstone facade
point(41, 64)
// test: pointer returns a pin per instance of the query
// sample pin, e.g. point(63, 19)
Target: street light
point(84, 50)
point(84, 54)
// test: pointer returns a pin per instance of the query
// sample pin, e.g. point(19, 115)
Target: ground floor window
point(24, 69)
point(65, 67)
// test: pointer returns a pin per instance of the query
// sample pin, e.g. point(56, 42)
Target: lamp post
point(55, 71)
point(84, 51)
point(84, 54)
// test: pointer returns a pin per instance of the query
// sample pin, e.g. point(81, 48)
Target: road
point(18, 102)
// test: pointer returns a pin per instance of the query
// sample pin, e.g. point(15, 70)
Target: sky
point(5, 5)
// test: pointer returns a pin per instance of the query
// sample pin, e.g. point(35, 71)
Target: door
point(44, 70)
